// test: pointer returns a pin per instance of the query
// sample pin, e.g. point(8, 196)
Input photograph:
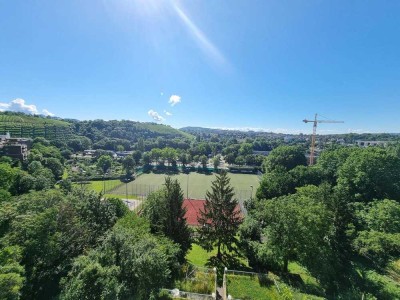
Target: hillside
point(128, 130)
point(23, 125)
point(12, 118)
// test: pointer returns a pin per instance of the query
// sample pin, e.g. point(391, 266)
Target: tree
point(128, 163)
point(137, 155)
point(246, 149)
point(156, 154)
point(372, 173)
point(11, 273)
point(130, 264)
point(7, 175)
point(286, 157)
point(104, 163)
point(183, 157)
point(166, 214)
point(203, 160)
point(216, 162)
point(55, 229)
point(220, 217)
point(55, 166)
point(330, 161)
point(146, 158)
point(379, 234)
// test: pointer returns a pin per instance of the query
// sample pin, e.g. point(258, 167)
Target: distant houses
point(371, 143)
point(93, 153)
point(16, 148)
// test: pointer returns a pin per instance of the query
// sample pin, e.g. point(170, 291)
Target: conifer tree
point(220, 218)
point(166, 215)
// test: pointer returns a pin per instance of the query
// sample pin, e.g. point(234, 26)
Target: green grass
point(198, 256)
point(98, 185)
point(310, 284)
point(246, 287)
point(194, 184)
point(260, 287)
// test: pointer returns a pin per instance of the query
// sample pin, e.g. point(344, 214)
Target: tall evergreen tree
point(220, 218)
point(167, 216)
point(176, 227)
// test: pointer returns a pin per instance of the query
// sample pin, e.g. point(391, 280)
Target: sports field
point(193, 185)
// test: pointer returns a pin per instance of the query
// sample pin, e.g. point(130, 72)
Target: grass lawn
point(194, 184)
point(98, 186)
point(198, 256)
point(246, 287)
point(260, 288)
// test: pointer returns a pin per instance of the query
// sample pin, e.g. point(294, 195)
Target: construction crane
point(316, 121)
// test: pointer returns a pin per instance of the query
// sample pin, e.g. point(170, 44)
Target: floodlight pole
point(187, 187)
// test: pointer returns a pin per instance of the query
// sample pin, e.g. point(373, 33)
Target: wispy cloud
point(18, 105)
point(174, 99)
point(155, 116)
point(47, 113)
point(201, 39)
point(167, 113)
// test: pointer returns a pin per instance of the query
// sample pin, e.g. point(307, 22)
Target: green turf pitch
point(193, 185)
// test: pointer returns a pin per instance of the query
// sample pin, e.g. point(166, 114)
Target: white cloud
point(18, 105)
point(174, 99)
point(47, 113)
point(167, 113)
point(156, 117)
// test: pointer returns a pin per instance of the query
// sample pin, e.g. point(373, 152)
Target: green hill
point(127, 130)
point(23, 125)
point(31, 126)
point(21, 118)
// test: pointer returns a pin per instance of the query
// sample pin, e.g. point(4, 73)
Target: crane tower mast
point(315, 122)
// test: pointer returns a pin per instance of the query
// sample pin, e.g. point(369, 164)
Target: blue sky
point(226, 63)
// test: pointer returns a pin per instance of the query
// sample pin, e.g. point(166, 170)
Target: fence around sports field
point(141, 191)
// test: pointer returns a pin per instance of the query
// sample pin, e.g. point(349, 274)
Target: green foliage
point(196, 280)
point(46, 151)
point(286, 157)
point(280, 182)
point(371, 174)
point(378, 237)
point(104, 163)
point(55, 167)
point(220, 218)
point(128, 163)
point(305, 227)
point(7, 175)
point(166, 215)
point(330, 161)
point(382, 215)
point(216, 162)
point(11, 273)
point(130, 264)
point(51, 229)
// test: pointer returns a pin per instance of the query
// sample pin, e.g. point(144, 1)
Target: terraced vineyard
point(21, 125)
